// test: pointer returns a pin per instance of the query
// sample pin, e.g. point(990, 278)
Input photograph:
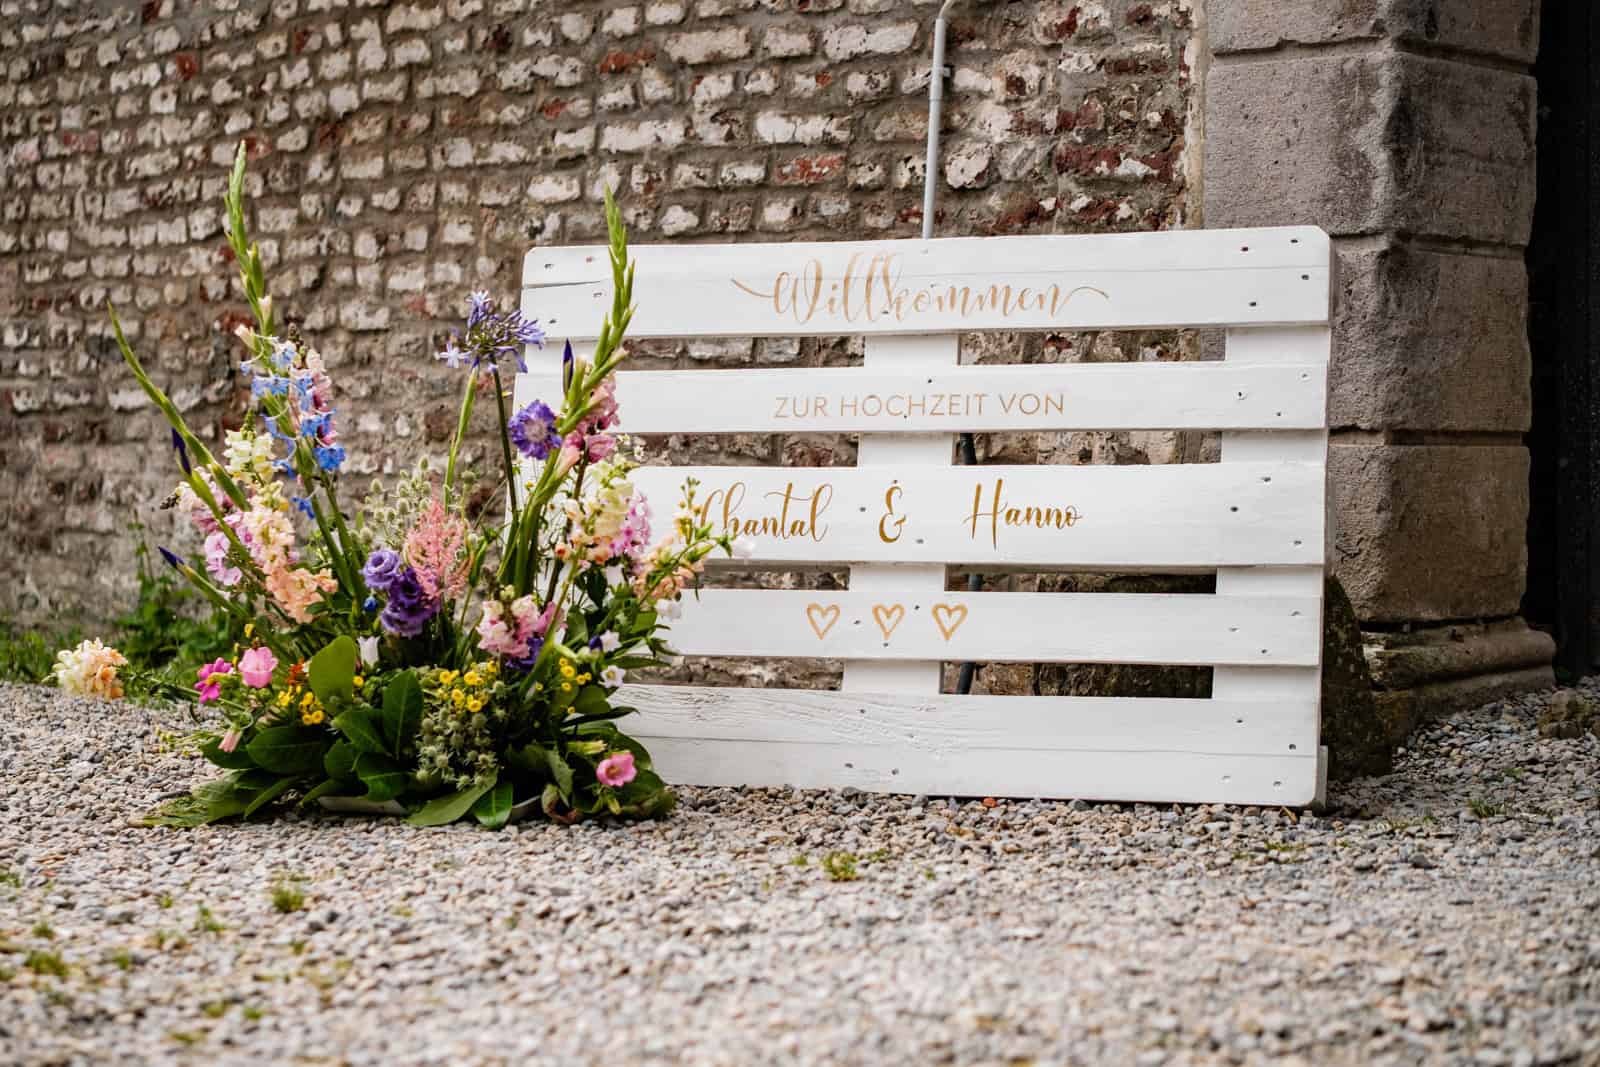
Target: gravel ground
point(1448, 913)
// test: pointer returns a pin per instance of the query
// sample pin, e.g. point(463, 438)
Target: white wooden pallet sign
point(904, 513)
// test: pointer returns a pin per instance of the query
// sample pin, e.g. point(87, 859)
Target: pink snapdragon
point(210, 684)
point(217, 559)
point(256, 667)
point(616, 769)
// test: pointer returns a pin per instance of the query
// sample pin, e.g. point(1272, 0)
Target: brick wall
point(405, 153)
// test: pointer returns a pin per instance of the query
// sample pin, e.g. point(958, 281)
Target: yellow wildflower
point(448, 677)
point(306, 700)
point(475, 704)
point(358, 681)
point(457, 697)
point(249, 629)
point(566, 687)
point(567, 669)
point(312, 717)
point(583, 678)
point(472, 678)
point(538, 687)
point(286, 698)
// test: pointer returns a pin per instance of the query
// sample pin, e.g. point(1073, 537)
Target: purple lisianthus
point(383, 567)
point(409, 607)
point(533, 430)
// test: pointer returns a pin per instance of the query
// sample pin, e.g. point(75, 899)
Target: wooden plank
point(1172, 516)
point(1094, 747)
point(1129, 281)
point(1078, 396)
point(896, 452)
point(1143, 628)
point(1298, 684)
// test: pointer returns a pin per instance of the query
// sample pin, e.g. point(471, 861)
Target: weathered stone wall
point(1406, 129)
point(406, 153)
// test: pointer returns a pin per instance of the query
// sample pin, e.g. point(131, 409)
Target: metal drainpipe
point(930, 199)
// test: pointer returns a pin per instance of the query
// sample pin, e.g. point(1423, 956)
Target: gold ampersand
point(899, 521)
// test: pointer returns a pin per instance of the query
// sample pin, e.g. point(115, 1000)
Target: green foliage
point(287, 898)
point(840, 866)
point(1485, 809)
point(42, 962)
point(28, 656)
point(168, 631)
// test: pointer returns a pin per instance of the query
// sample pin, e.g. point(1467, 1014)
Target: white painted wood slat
point(1078, 396)
point(899, 623)
point(1270, 347)
point(1129, 281)
point(1174, 516)
point(1095, 747)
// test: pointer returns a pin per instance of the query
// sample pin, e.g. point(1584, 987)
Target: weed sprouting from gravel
point(42, 962)
point(1484, 809)
point(9, 877)
point(287, 898)
point(42, 929)
point(840, 866)
point(205, 922)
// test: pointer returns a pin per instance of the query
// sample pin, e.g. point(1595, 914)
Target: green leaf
point(531, 759)
point(448, 808)
point(331, 672)
point(494, 807)
point(267, 795)
point(402, 710)
point(363, 729)
point(340, 761)
point(646, 797)
point(561, 773)
point(384, 778)
point(591, 700)
point(287, 750)
point(615, 739)
point(234, 761)
point(328, 785)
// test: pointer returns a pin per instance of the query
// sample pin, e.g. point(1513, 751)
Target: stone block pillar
point(1406, 129)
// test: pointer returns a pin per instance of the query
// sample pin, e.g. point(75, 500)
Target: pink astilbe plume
point(434, 550)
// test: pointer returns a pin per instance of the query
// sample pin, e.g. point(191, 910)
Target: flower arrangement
point(415, 652)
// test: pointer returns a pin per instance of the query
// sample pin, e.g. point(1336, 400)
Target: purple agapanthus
point(383, 567)
point(409, 607)
point(491, 337)
point(533, 430)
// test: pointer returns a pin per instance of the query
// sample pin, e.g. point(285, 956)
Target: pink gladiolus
point(256, 667)
point(230, 741)
point(208, 686)
point(599, 446)
point(616, 769)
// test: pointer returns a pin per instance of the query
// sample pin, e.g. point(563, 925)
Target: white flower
point(369, 650)
point(611, 677)
point(743, 548)
point(609, 641)
point(668, 609)
point(613, 574)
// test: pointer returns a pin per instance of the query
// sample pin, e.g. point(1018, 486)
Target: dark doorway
point(1564, 328)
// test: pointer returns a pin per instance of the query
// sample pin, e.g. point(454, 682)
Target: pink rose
point(616, 769)
point(256, 667)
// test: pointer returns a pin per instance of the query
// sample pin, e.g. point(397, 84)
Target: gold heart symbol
point(949, 618)
point(888, 617)
point(822, 618)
